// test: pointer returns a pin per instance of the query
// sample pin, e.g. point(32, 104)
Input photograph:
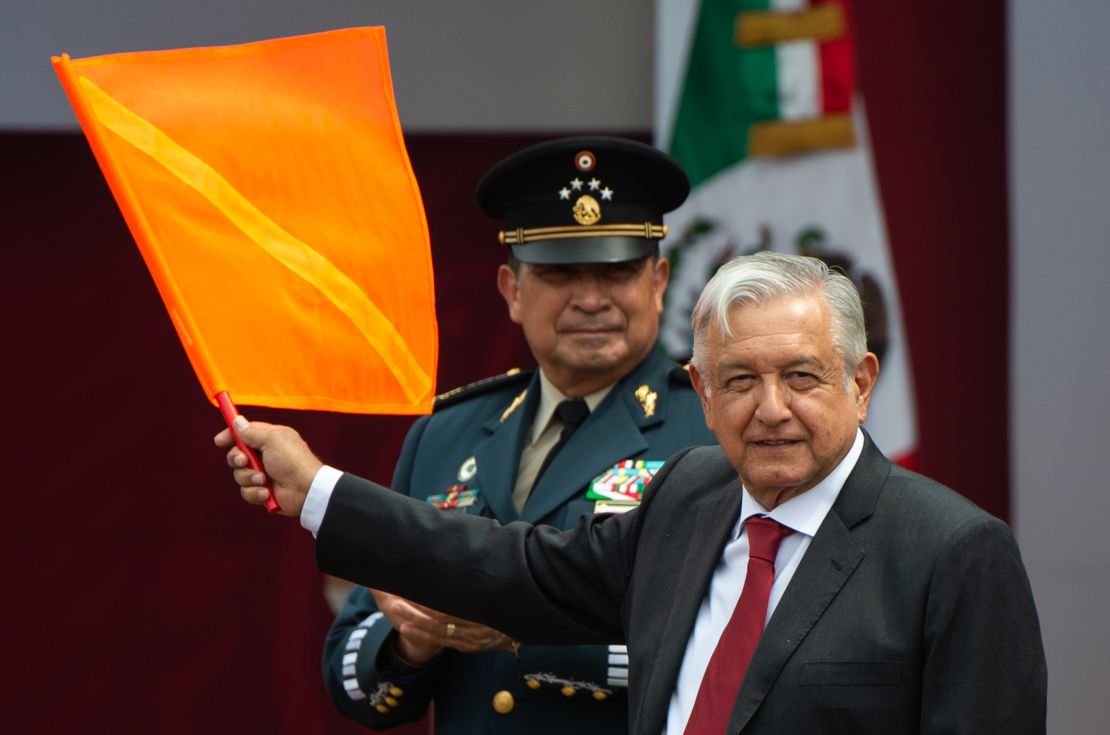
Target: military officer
point(582, 219)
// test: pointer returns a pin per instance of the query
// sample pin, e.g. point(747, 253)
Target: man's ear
point(863, 382)
point(510, 291)
point(700, 388)
point(660, 278)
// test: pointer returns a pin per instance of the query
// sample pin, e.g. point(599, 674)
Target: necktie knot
point(764, 537)
point(572, 412)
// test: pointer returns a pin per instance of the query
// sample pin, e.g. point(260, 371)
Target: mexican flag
point(757, 99)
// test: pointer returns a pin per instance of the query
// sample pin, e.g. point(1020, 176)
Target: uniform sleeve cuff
point(316, 502)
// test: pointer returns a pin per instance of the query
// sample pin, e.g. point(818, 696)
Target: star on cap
point(576, 184)
point(564, 193)
point(607, 194)
point(594, 184)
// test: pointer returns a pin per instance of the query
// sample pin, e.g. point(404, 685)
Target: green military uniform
point(556, 689)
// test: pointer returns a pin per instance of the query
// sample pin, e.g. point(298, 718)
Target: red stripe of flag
point(838, 66)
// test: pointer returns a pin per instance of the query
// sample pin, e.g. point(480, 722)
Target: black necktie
point(572, 412)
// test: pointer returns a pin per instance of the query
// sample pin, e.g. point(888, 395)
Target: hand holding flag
point(287, 462)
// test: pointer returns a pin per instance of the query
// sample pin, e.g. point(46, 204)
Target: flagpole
point(227, 408)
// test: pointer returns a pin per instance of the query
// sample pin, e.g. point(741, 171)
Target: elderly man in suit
point(790, 580)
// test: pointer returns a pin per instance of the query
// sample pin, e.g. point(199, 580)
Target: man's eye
point(621, 272)
point(800, 380)
point(554, 274)
point(740, 382)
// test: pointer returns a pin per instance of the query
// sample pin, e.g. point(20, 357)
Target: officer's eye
point(554, 273)
point(622, 271)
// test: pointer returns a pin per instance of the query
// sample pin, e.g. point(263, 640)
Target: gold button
point(391, 701)
point(381, 708)
point(503, 702)
point(568, 691)
point(396, 691)
point(600, 696)
point(534, 684)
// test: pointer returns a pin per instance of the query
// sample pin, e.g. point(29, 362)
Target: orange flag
point(269, 190)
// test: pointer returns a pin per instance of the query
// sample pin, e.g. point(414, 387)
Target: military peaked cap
point(583, 200)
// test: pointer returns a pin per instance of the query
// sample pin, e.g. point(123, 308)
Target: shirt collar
point(804, 513)
point(550, 397)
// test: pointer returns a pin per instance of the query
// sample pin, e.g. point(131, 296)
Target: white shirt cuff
point(316, 502)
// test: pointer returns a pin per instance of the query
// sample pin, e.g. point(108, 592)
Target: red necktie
point(729, 663)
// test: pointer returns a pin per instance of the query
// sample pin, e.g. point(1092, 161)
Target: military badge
point(647, 398)
point(512, 406)
point(586, 210)
point(456, 496)
point(468, 469)
point(620, 487)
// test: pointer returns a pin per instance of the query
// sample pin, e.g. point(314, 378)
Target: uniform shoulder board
point(457, 395)
point(681, 374)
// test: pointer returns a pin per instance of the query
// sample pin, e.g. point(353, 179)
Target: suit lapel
point(832, 557)
point(717, 517)
point(499, 455)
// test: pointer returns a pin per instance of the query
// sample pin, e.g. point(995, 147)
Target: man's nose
point(772, 408)
point(589, 293)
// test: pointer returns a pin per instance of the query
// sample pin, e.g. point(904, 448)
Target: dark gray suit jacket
point(911, 611)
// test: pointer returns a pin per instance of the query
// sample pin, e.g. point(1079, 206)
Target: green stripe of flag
point(725, 90)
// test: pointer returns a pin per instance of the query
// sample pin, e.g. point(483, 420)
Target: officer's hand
point(424, 632)
point(471, 637)
point(417, 643)
point(288, 461)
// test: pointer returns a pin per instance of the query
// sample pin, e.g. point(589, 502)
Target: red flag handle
point(227, 408)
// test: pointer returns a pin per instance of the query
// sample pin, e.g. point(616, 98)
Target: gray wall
point(572, 65)
point(579, 64)
point(1060, 317)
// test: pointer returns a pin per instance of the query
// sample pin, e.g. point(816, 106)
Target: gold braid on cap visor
point(520, 235)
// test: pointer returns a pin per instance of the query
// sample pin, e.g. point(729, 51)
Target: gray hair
point(766, 276)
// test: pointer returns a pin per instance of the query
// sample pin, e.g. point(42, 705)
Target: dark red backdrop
point(144, 597)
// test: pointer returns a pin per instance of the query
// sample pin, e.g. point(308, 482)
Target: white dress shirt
point(803, 514)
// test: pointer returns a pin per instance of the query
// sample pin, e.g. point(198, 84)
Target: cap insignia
point(586, 210)
point(585, 161)
point(595, 185)
point(647, 397)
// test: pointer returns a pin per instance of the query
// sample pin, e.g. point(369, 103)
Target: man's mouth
point(589, 330)
point(775, 442)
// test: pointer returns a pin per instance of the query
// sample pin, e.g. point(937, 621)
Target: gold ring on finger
point(450, 630)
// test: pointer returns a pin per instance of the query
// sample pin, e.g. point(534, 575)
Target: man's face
point(587, 324)
point(775, 396)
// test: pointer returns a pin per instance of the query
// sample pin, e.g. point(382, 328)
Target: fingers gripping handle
point(227, 408)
